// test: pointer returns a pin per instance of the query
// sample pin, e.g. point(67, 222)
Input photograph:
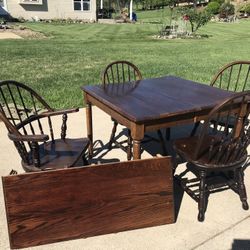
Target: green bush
point(2, 20)
point(226, 9)
point(213, 8)
point(245, 8)
point(220, 2)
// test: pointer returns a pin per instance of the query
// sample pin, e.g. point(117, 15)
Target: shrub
point(213, 8)
point(245, 8)
point(226, 9)
point(220, 2)
point(2, 20)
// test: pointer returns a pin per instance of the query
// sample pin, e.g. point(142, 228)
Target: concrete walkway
point(9, 35)
point(226, 226)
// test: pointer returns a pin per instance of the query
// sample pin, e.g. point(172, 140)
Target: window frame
point(82, 2)
point(35, 2)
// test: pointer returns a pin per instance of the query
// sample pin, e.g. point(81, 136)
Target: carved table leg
point(137, 133)
point(136, 149)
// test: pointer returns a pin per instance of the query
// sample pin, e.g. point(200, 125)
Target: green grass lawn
point(153, 16)
point(75, 54)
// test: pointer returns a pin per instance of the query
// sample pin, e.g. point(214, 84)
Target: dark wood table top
point(157, 98)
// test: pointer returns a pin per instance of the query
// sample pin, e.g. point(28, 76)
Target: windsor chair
point(232, 77)
point(23, 112)
point(119, 73)
point(217, 152)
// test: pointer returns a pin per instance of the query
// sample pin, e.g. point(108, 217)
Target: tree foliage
point(213, 8)
point(196, 18)
point(226, 9)
point(245, 8)
point(220, 2)
point(152, 4)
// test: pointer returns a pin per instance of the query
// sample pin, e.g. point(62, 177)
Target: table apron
point(170, 122)
point(176, 120)
point(114, 114)
point(181, 119)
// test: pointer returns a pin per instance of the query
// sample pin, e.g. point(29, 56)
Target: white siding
point(3, 7)
point(50, 9)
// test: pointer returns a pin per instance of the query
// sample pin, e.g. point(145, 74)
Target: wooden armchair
point(120, 73)
point(217, 154)
point(234, 76)
point(23, 111)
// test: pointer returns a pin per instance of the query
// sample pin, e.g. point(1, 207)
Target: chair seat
point(185, 148)
point(61, 153)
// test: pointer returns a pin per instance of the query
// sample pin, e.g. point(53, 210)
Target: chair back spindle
point(120, 72)
point(225, 145)
point(233, 77)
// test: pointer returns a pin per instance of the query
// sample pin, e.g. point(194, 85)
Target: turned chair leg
point(168, 132)
point(202, 196)
point(85, 161)
point(196, 125)
point(164, 149)
point(242, 188)
point(129, 149)
point(112, 137)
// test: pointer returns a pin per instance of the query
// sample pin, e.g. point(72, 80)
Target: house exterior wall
point(49, 9)
point(2, 7)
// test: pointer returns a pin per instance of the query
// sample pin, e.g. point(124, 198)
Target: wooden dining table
point(151, 104)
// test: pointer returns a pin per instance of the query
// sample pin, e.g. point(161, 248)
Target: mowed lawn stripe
point(74, 55)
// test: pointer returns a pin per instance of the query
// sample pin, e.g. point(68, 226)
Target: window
point(82, 5)
point(39, 2)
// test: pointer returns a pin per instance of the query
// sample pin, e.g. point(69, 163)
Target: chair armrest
point(29, 138)
point(58, 112)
